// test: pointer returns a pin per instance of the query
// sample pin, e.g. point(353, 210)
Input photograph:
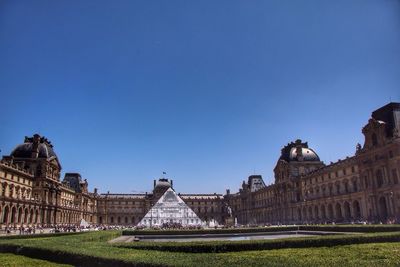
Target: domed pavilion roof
point(298, 151)
point(31, 144)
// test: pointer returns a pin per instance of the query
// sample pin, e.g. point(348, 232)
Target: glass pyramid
point(170, 209)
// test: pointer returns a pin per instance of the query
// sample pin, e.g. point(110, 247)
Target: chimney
point(154, 184)
point(172, 184)
point(228, 192)
point(95, 191)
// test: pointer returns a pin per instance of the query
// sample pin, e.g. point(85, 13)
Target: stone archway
point(338, 211)
point(36, 216)
point(316, 213)
point(347, 212)
point(6, 212)
point(356, 209)
point(31, 216)
point(310, 214)
point(323, 212)
point(20, 214)
point(26, 215)
point(330, 212)
point(13, 215)
point(383, 211)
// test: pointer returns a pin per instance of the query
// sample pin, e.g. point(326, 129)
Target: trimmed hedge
point(327, 228)
point(210, 231)
point(352, 228)
point(229, 246)
point(58, 255)
point(64, 257)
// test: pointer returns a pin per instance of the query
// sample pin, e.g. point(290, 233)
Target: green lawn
point(95, 245)
point(12, 260)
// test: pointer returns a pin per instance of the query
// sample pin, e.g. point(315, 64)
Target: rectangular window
point(355, 188)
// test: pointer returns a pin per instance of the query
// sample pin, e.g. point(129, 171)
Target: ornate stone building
point(365, 186)
point(129, 209)
point(31, 192)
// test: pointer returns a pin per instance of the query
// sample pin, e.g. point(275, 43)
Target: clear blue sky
point(208, 91)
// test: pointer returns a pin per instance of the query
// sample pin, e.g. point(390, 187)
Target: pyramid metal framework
point(170, 208)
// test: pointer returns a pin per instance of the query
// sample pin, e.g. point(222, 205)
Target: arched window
point(5, 215)
point(355, 186)
point(379, 178)
point(346, 186)
point(366, 181)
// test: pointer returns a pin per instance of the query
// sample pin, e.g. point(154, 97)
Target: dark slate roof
point(390, 115)
point(74, 180)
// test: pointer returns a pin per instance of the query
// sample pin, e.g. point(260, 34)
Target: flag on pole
point(164, 173)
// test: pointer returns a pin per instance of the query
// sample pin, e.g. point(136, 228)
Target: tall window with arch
point(379, 178)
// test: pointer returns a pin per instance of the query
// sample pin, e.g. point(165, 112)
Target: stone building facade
point(31, 192)
point(365, 186)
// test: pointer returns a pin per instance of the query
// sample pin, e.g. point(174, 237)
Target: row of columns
point(19, 215)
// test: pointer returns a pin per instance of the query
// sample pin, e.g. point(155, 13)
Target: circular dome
point(298, 151)
point(163, 183)
point(25, 150)
point(307, 153)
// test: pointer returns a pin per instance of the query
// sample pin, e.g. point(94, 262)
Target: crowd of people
point(59, 228)
point(171, 225)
